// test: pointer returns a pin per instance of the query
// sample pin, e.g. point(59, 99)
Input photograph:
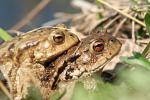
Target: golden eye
point(59, 37)
point(97, 46)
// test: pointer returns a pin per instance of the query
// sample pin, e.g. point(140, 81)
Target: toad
point(83, 59)
point(30, 50)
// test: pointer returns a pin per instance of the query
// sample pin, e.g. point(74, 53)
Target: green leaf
point(33, 94)
point(102, 91)
point(147, 21)
point(3, 96)
point(80, 93)
point(145, 51)
point(57, 95)
point(137, 59)
point(4, 35)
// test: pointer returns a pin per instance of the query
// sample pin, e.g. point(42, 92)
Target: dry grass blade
point(112, 21)
point(4, 35)
point(119, 26)
point(5, 91)
point(146, 50)
point(133, 31)
point(121, 12)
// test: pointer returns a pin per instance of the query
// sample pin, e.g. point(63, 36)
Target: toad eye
point(59, 37)
point(97, 46)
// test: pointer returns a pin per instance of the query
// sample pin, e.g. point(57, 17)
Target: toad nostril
point(71, 35)
point(112, 40)
point(110, 53)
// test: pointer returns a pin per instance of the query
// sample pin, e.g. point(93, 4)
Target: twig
point(144, 41)
point(123, 13)
point(146, 50)
point(133, 35)
point(112, 21)
point(105, 19)
point(116, 18)
point(119, 26)
point(30, 15)
point(133, 31)
point(5, 91)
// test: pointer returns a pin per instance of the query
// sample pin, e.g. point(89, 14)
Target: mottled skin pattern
point(89, 56)
point(22, 59)
point(28, 66)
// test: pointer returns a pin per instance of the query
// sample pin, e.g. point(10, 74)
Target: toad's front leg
point(27, 76)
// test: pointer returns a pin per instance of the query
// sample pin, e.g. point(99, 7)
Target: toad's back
point(33, 47)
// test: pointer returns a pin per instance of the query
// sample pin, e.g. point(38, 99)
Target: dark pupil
point(112, 40)
point(98, 47)
point(58, 39)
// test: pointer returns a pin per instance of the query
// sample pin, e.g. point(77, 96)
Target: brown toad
point(89, 56)
point(20, 55)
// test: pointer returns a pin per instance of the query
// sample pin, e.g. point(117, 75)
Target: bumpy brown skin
point(82, 59)
point(22, 59)
point(89, 59)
